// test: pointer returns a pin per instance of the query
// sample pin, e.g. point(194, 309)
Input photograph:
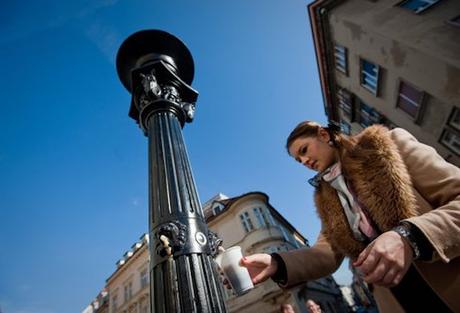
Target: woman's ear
point(323, 135)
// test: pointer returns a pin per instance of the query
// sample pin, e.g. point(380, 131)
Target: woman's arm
point(307, 264)
point(438, 182)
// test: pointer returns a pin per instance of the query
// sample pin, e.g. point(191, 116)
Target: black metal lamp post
point(157, 69)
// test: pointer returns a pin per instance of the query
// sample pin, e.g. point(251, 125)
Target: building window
point(345, 100)
point(114, 303)
point(274, 249)
point(283, 231)
point(128, 291)
point(262, 217)
point(271, 249)
point(455, 21)
point(246, 222)
point(340, 53)
point(370, 76)
point(410, 100)
point(288, 236)
point(345, 128)
point(270, 217)
point(451, 140)
point(418, 5)
point(454, 119)
point(144, 278)
point(217, 208)
point(368, 116)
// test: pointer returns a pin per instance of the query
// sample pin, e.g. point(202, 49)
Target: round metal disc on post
point(150, 45)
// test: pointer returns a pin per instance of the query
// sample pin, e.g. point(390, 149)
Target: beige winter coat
point(396, 178)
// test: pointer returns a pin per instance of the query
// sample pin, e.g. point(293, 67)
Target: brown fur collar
point(375, 171)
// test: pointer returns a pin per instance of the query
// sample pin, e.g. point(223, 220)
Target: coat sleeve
point(311, 263)
point(438, 182)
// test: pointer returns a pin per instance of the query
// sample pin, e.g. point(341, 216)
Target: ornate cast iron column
point(157, 69)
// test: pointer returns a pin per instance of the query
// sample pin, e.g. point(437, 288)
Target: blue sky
point(73, 164)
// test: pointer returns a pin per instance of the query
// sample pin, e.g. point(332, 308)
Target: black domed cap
point(150, 45)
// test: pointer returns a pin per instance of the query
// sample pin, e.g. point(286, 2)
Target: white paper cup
point(236, 274)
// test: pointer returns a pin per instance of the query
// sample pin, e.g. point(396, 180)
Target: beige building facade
point(392, 62)
point(128, 287)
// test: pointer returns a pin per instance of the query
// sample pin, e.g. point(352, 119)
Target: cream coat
point(396, 178)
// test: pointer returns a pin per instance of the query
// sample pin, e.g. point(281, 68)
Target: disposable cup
point(236, 274)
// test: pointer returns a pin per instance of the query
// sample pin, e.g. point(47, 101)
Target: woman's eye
point(303, 150)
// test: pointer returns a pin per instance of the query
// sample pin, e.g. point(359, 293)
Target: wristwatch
point(404, 231)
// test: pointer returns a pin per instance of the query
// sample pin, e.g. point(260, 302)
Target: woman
point(389, 203)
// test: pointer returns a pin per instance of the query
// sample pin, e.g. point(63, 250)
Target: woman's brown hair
point(303, 129)
point(311, 129)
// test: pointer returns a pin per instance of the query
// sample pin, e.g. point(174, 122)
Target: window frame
point(127, 290)
point(344, 124)
point(445, 143)
point(373, 110)
point(345, 55)
point(344, 95)
point(270, 217)
point(144, 279)
point(455, 111)
point(261, 217)
point(125, 293)
point(418, 11)
point(114, 304)
point(217, 208)
point(375, 92)
point(271, 249)
point(417, 119)
point(245, 219)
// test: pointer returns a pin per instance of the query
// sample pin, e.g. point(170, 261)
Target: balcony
point(261, 236)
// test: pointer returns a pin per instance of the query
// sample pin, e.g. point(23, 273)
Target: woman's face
point(314, 152)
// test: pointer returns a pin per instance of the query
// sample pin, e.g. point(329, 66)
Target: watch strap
point(405, 231)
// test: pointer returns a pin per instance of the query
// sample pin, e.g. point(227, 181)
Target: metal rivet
point(200, 238)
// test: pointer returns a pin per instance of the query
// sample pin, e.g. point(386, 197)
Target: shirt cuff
point(280, 276)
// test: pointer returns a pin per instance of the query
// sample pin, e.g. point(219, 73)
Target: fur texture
point(375, 171)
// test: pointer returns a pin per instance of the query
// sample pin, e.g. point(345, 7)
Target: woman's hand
point(385, 260)
point(261, 266)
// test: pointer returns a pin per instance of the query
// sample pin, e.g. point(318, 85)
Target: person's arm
point(312, 263)
point(386, 260)
point(438, 182)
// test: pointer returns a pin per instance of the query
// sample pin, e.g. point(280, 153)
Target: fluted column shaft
point(186, 282)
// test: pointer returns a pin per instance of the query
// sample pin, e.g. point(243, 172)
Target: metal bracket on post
point(184, 238)
point(175, 233)
point(160, 89)
point(214, 243)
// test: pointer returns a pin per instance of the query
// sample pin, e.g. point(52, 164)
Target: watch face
point(404, 232)
point(401, 230)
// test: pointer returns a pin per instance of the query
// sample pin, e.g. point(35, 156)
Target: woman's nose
point(304, 160)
